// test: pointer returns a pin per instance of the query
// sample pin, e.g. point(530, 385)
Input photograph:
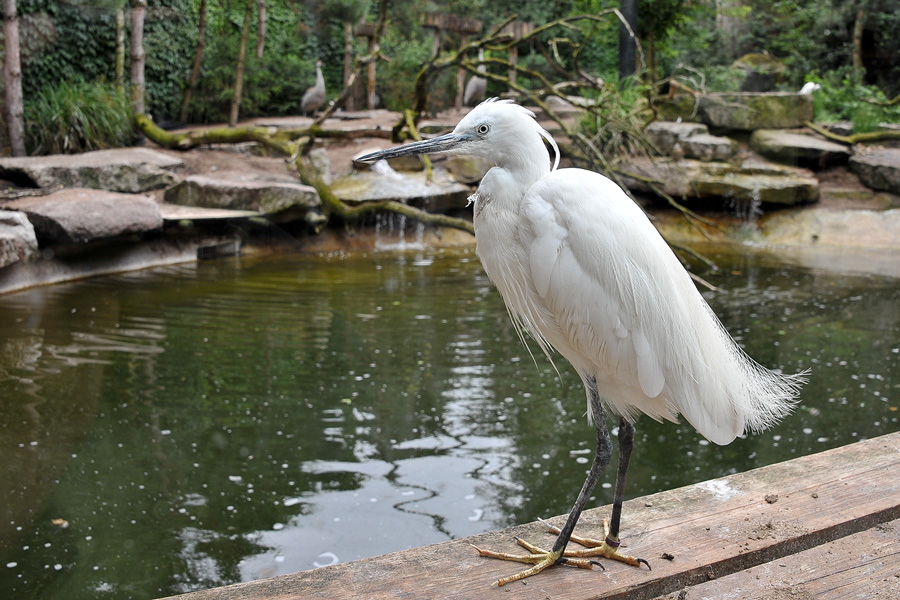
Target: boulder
point(77, 216)
point(665, 134)
point(128, 170)
point(708, 148)
point(878, 168)
point(749, 111)
point(760, 71)
point(17, 238)
point(280, 199)
point(798, 148)
point(750, 181)
point(440, 195)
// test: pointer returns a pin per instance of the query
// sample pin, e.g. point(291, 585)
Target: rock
point(400, 163)
point(281, 199)
point(441, 195)
point(679, 106)
point(77, 216)
point(665, 134)
point(878, 168)
point(17, 238)
point(129, 170)
point(319, 160)
point(835, 228)
point(798, 148)
point(750, 111)
point(708, 148)
point(468, 169)
point(756, 182)
point(760, 71)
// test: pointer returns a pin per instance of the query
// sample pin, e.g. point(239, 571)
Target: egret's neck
point(520, 168)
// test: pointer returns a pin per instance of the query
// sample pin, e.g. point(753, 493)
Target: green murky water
point(192, 426)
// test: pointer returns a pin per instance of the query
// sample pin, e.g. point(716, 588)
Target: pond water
point(186, 427)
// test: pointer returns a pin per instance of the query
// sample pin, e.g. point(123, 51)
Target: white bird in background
point(809, 87)
point(583, 271)
point(476, 87)
point(314, 97)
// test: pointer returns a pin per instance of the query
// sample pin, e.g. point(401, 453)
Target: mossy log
point(857, 138)
point(293, 143)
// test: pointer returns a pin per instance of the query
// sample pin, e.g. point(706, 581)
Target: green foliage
point(77, 116)
point(170, 33)
point(396, 79)
point(273, 85)
point(617, 128)
point(844, 98)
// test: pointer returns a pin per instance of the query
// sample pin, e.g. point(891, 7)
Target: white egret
point(583, 271)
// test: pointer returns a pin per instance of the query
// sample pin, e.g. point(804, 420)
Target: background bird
point(476, 87)
point(314, 97)
point(583, 271)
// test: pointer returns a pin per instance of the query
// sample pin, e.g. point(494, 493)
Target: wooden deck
point(823, 526)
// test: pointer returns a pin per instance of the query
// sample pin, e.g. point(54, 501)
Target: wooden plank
point(711, 530)
point(864, 565)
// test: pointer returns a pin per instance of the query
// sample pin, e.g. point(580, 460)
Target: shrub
point(77, 116)
point(844, 98)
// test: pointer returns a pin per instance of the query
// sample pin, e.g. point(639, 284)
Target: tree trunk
point(239, 74)
point(138, 11)
point(627, 43)
point(198, 62)
point(120, 48)
point(732, 26)
point(857, 41)
point(260, 27)
point(12, 72)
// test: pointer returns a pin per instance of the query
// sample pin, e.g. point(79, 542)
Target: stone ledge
point(77, 216)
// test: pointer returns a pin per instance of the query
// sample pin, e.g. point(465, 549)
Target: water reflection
point(198, 425)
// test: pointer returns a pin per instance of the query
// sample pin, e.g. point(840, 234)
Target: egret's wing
point(622, 305)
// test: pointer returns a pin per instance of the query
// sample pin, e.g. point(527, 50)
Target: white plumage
point(581, 268)
point(583, 271)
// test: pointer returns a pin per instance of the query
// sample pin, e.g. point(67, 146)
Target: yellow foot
point(607, 548)
point(541, 559)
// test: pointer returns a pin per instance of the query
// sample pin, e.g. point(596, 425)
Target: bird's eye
point(483, 129)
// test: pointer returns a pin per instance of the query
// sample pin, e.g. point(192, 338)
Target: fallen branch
point(290, 143)
point(857, 138)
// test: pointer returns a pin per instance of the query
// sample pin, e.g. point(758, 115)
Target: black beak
point(443, 143)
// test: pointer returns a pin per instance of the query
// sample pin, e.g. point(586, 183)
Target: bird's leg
point(609, 546)
point(541, 559)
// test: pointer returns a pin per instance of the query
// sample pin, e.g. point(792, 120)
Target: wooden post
point(442, 22)
point(515, 31)
point(367, 30)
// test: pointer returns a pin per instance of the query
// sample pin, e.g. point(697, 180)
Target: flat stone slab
point(17, 237)
point(749, 111)
point(665, 134)
point(878, 168)
point(176, 212)
point(750, 181)
point(706, 147)
point(879, 230)
point(687, 139)
point(129, 170)
point(78, 216)
point(280, 199)
point(745, 111)
point(798, 148)
point(379, 184)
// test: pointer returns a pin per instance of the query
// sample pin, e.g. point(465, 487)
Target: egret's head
point(498, 131)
